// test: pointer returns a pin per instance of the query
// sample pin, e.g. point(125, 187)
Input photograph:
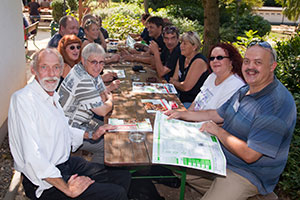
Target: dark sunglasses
point(212, 58)
point(73, 47)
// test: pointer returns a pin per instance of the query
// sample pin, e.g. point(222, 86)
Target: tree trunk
point(211, 24)
point(146, 6)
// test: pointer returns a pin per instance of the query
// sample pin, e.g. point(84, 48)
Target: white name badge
point(236, 105)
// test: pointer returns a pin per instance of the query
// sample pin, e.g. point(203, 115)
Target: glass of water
point(137, 137)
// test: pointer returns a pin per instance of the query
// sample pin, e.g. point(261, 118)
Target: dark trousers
point(110, 184)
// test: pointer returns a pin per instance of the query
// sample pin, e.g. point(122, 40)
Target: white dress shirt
point(39, 135)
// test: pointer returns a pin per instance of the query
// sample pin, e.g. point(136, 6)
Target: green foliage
point(243, 41)
point(57, 9)
point(289, 63)
point(73, 5)
point(121, 19)
point(291, 8)
point(288, 72)
point(245, 23)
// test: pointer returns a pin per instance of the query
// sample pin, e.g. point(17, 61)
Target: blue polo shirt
point(266, 121)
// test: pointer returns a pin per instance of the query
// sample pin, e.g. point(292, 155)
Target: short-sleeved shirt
point(33, 8)
point(160, 42)
point(54, 40)
point(169, 59)
point(212, 96)
point(79, 93)
point(145, 36)
point(189, 96)
point(265, 121)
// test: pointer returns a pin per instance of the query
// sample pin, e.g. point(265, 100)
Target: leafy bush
point(73, 5)
point(121, 19)
point(288, 63)
point(57, 9)
point(288, 72)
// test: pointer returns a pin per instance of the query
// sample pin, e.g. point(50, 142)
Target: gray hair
point(92, 48)
point(193, 38)
point(35, 60)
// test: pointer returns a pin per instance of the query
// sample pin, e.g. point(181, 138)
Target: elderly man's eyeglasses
point(212, 58)
point(95, 62)
point(73, 47)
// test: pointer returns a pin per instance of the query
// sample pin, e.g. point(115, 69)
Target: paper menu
point(176, 142)
point(154, 105)
point(131, 125)
point(145, 87)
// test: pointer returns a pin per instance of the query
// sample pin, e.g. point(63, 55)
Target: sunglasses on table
point(73, 47)
point(212, 58)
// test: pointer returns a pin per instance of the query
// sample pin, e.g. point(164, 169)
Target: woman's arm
point(197, 68)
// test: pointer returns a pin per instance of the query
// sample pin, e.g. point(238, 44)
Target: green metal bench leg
point(182, 185)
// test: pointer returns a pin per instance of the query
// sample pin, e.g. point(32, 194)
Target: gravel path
point(6, 167)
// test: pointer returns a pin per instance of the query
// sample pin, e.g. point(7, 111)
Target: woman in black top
point(191, 69)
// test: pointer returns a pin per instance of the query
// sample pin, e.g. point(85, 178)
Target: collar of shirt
point(261, 93)
point(42, 93)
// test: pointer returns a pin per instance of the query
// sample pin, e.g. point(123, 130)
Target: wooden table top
point(119, 150)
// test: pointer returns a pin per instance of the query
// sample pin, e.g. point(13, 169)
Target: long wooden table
point(119, 150)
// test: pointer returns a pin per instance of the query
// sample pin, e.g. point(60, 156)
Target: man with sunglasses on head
point(83, 94)
point(165, 62)
point(258, 123)
point(68, 25)
point(41, 140)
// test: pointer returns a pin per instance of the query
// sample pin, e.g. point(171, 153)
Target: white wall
point(12, 56)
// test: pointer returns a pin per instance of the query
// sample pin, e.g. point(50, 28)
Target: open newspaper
point(176, 142)
point(145, 87)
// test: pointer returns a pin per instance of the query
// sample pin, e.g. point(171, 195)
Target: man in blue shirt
point(258, 123)
point(68, 25)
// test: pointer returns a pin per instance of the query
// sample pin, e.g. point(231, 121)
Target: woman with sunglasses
point(226, 63)
point(70, 49)
point(92, 32)
point(191, 69)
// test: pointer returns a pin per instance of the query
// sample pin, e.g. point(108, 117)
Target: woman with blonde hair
point(191, 69)
point(70, 49)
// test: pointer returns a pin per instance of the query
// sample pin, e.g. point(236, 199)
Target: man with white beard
point(40, 140)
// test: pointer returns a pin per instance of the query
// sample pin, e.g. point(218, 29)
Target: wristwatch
point(90, 134)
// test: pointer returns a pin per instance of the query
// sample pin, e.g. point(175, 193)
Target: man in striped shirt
point(258, 124)
point(83, 94)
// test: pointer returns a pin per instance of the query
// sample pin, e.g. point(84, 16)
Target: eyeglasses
point(212, 58)
point(73, 47)
point(263, 44)
point(95, 62)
